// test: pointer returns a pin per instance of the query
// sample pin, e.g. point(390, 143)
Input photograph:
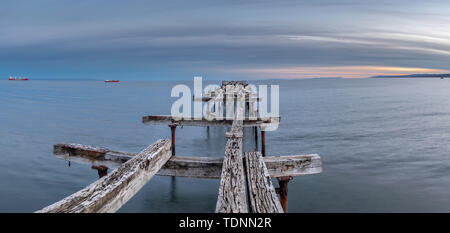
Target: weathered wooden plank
point(187, 166)
point(206, 99)
point(232, 197)
point(263, 198)
point(293, 165)
point(86, 154)
point(164, 119)
point(234, 83)
point(109, 193)
point(194, 167)
point(180, 166)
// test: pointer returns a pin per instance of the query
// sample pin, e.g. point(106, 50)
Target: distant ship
point(18, 79)
point(112, 81)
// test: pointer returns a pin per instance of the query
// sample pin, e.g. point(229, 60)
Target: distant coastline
point(414, 76)
point(327, 78)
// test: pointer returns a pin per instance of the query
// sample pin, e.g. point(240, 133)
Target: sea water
point(385, 143)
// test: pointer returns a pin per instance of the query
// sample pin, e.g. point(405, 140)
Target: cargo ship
point(112, 81)
point(18, 79)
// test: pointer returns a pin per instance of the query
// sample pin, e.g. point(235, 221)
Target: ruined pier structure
point(245, 178)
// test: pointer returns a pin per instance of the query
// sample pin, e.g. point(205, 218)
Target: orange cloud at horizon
point(335, 71)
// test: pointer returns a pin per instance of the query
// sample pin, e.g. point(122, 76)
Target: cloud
point(220, 39)
point(333, 71)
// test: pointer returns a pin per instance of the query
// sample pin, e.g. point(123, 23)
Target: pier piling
point(283, 191)
point(102, 170)
point(263, 142)
point(256, 137)
point(173, 127)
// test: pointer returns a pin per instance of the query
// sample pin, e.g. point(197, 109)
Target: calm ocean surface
point(385, 143)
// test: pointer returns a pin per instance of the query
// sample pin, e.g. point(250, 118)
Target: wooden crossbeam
point(109, 193)
point(293, 165)
point(262, 195)
point(93, 155)
point(187, 166)
point(226, 83)
point(193, 167)
point(206, 99)
point(164, 119)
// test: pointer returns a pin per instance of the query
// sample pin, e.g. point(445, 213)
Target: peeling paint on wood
point(293, 165)
point(110, 192)
point(262, 195)
point(232, 197)
point(92, 155)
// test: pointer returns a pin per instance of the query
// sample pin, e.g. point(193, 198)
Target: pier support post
point(256, 137)
point(263, 142)
point(173, 127)
point(225, 107)
point(283, 191)
point(102, 170)
point(247, 109)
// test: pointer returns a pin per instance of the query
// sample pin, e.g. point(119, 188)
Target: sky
point(179, 39)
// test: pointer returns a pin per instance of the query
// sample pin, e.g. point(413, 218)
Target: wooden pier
point(245, 178)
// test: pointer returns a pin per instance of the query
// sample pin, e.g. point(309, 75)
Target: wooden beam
point(110, 192)
point(232, 197)
point(187, 166)
point(92, 155)
point(262, 195)
point(164, 119)
point(293, 165)
point(181, 166)
point(207, 99)
point(193, 167)
point(234, 83)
